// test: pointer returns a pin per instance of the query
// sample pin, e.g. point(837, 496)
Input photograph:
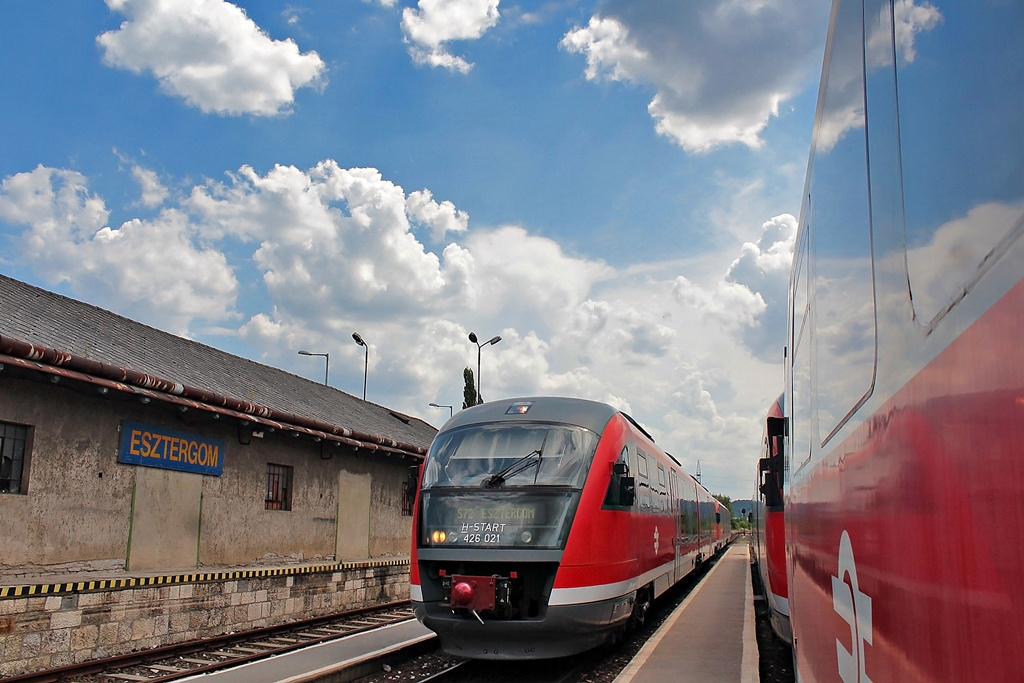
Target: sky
point(610, 187)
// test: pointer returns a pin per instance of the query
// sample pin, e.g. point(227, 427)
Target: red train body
point(904, 368)
point(768, 529)
point(543, 526)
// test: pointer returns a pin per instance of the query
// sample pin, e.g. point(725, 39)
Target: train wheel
point(643, 601)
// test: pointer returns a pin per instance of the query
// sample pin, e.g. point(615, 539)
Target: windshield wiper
point(520, 465)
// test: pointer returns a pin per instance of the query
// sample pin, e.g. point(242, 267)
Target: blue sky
point(609, 186)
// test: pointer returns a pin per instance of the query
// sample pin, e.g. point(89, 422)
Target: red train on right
point(903, 473)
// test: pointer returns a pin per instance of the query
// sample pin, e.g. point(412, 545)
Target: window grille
point(13, 458)
point(279, 487)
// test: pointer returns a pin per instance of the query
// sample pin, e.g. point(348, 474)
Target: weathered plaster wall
point(78, 514)
point(79, 500)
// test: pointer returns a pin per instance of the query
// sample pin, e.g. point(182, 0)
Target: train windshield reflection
point(500, 454)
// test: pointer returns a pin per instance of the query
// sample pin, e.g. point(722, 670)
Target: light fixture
point(327, 358)
point(366, 359)
point(451, 410)
point(493, 340)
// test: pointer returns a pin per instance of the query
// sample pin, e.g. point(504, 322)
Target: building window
point(409, 490)
point(279, 487)
point(13, 458)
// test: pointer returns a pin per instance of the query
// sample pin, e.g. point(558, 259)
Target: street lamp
point(492, 340)
point(366, 359)
point(327, 365)
point(451, 410)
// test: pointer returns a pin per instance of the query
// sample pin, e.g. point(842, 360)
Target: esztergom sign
point(170, 449)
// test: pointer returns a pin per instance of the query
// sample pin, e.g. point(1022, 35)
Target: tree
point(469, 393)
point(724, 500)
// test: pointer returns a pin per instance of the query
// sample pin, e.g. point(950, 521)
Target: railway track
point(175, 662)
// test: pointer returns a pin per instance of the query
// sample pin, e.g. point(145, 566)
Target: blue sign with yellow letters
point(170, 449)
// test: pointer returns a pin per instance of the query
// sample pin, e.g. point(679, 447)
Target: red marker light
point(462, 594)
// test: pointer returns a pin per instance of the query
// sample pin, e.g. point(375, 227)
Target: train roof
point(591, 415)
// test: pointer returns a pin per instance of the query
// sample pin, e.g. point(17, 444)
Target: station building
point(156, 490)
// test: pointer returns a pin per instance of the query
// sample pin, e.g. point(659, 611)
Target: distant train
point(544, 526)
point(904, 461)
point(768, 530)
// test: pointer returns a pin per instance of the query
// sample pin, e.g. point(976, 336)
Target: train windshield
point(503, 455)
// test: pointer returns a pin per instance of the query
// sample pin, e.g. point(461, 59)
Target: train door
point(688, 515)
point(676, 503)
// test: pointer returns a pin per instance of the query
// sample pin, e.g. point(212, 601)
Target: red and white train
point(543, 526)
point(768, 530)
point(904, 461)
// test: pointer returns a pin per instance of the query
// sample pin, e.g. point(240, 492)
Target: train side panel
point(600, 557)
point(905, 369)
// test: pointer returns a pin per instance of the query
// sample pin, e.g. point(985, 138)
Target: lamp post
point(327, 365)
point(366, 359)
point(451, 409)
point(492, 340)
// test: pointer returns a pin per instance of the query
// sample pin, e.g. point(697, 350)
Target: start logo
point(855, 609)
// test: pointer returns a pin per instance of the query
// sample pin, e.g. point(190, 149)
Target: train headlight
point(439, 536)
point(526, 536)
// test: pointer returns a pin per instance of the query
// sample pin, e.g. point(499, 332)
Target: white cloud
point(438, 22)
point(770, 257)
point(153, 191)
point(337, 253)
point(211, 54)
point(440, 218)
point(152, 270)
point(531, 276)
point(335, 240)
point(763, 267)
point(732, 304)
point(721, 68)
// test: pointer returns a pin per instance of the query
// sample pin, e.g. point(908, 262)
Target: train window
point(662, 489)
point(14, 460)
point(621, 487)
point(843, 310)
point(643, 484)
point(959, 73)
point(800, 357)
point(688, 510)
point(510, 454)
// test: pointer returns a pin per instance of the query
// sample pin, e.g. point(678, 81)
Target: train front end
point(499, 491)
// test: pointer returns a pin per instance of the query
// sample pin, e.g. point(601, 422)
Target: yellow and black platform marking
point(42, 589)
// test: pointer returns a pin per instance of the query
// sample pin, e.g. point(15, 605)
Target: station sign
point(170, 449)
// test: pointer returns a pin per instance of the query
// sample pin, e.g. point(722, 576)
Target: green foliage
point(724, 500)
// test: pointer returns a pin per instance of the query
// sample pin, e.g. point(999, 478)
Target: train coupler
point(477, 594)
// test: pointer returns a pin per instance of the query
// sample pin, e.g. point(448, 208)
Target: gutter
point(108, 377)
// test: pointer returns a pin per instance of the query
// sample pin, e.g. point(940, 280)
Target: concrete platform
point(344, 659)
point(711, 636)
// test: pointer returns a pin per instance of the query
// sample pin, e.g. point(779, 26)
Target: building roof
point(97, 343)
